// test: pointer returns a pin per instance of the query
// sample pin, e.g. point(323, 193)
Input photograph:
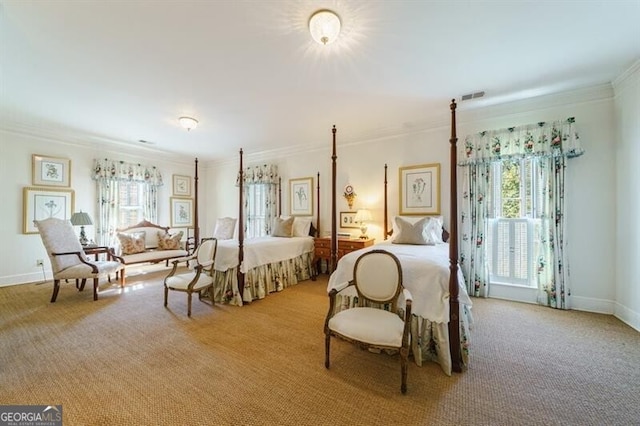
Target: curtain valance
point(262, 174)
point(555, 139)
point(113, 170)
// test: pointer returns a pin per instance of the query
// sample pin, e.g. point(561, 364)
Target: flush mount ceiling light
point(324, 26)
point(188, 122)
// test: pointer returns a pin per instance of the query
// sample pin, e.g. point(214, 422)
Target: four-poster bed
point(441, 306)
point(249, 269)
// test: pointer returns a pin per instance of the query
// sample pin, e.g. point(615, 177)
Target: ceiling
point(104, 72)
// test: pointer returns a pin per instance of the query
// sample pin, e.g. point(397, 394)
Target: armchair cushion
point(59, 237)
point(374, 326)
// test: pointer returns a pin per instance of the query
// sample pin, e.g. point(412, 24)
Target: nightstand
point(345, 246)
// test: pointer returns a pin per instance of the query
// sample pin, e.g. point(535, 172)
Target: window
point(256, 210)
point(513, 209)
point(131, 197)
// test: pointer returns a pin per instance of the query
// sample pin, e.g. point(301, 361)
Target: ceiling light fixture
point(188, 122)
point(324, 26)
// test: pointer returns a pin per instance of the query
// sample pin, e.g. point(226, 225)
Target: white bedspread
point(260, 251)
point(425, 273)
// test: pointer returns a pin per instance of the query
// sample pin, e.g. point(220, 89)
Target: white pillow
point(413, 233)
point(434, 227)
point(301, 226)
point(225, 227)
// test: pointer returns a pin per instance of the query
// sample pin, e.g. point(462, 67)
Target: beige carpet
point(126, 360)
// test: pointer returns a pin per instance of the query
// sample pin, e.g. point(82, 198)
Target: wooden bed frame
point(454, 304)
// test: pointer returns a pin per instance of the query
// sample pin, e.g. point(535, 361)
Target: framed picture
point(181, 212)
point(420, 189)
point(181, 186)
point(43, 203)
point(51, 171)
point(301, 196)
point(348, 220)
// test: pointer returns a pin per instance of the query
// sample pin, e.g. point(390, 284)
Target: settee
point(146, 242)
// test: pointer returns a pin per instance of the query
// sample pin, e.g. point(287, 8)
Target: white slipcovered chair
point(68, 260)
point(197, 279)
point(376, 322)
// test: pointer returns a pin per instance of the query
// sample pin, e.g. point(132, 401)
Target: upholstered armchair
point(375, 322)
point(198, 278)
point(68, 260)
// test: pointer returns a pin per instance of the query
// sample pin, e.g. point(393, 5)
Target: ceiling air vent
point(470, 96)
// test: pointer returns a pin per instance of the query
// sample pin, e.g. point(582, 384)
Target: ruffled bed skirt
point(429, 340)
point(262, 280)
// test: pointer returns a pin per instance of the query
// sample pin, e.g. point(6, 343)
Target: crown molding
point(627, 77)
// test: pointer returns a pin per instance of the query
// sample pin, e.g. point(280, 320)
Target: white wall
point(627, 230)
point(596, 251)
point(19, 251)
point(590, 184)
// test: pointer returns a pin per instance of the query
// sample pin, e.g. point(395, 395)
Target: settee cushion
point(131, 243)
point(168, 241)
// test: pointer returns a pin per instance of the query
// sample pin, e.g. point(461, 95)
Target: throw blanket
point(260, 251)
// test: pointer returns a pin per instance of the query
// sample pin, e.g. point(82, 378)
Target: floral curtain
point(552, 143)
point(260, 192)
point(108, 174)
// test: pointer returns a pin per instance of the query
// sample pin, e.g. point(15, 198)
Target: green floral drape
point(108, 174)
point(552, 143)
point(260, 192)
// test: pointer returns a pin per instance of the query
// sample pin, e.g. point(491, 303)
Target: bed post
point(334, 238)
point(196, 224)
point(454, 304)
point(386, 213)
point(318, 212)
point(279, 212)
point(240, 228)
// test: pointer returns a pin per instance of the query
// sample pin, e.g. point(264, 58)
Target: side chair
point(196, 279)
point(376, 322)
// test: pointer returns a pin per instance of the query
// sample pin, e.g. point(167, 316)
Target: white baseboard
point(599, 306)
point(32, 277)
point(628, 316)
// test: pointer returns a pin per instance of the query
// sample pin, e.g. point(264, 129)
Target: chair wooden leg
point(327, 344)
point(56, 288)
point(404, 354)
point(95, 288)
point(188, 304)
point(166, 295)
point(82, 283)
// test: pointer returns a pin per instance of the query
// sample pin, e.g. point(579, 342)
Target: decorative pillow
point(282, 227)
point(435, 228)
point(132, 243)
point(225, 227)
point(301, 226)
point(167, 241)
point(413, 233)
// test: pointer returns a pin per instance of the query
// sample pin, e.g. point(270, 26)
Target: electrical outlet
point(39, 262)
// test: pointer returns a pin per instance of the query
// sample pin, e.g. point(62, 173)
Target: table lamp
point(362, 217)
point(81, 219)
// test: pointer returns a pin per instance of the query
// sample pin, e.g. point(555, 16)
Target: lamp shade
point(81, 219)
point(363, 215)
point(324, 26)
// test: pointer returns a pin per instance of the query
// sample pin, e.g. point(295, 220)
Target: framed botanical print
point(301, 196)
point(420, 189)
point(43, 203)
point(348, 220)
point(181, 186)
point(51, 171)
point(181, 212)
